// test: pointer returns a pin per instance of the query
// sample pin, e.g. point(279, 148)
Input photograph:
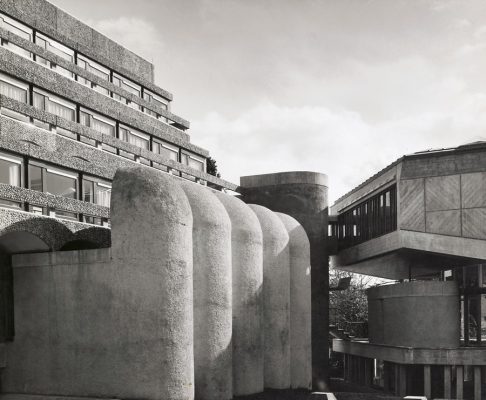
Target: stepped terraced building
point(164, 286)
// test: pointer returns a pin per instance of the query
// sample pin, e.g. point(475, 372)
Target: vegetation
point(212, 167)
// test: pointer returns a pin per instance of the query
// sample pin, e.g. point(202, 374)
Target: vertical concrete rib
point(152, 256)
point(211, 236)
point(300, 304)
point(276, 299)
point(247, 261)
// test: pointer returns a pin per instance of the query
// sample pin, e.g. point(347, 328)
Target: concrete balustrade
point(276, 299)
point(247, 269)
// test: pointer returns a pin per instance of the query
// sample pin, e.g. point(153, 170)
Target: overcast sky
point(335, 86)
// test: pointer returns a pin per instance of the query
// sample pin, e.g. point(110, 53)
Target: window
point(374, 217)
point(54, 47)
point(134, 137)
point(193, 161)
point(54, 181)
point(14, 88)
point(127, 84)
point(93, 67)
point(66, 133)
point(15, 27)
point(15, 49)
point(10, 170)
point(166, 150)
point(96, 191)
point(97, 122)
point(155, 99)
point(54, 105)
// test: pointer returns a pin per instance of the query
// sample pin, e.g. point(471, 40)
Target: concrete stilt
point(459, 382)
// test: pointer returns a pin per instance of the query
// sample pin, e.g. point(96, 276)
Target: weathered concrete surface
point(152, 245)
point(303, 195)
point(300, 304)
point(276, 299)
point(405, 314)
point(119, 324)
point(211, 236)
point(247, 267)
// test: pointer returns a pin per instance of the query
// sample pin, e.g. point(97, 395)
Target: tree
point(212, 167)
point(348, 309)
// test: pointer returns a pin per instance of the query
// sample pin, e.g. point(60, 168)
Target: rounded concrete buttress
point(247, 260)
point(152, 256)
point(300, 304)
point(276, 299)
point(211, 236)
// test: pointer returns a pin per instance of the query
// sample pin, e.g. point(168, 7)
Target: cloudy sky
point(342, 87)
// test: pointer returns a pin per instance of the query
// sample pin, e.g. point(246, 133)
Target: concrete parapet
point(406, 314)
point(276, 299)
point(247, 269)
point(300, 304)
point(211, 238)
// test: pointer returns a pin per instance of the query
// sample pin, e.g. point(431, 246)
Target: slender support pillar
point(447, 381)
point(477, 383)
point(459, 382)
point(427, 383)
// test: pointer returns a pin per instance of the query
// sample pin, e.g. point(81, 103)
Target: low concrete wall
point(420, 314)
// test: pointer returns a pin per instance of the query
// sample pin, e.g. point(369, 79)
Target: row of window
point(373, 217)
point(56, 181)
point(53, 104)
point(84, 62)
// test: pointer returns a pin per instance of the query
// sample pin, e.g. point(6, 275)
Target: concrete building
point(126, 269)
point(420, 222)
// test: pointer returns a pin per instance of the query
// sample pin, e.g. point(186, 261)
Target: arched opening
point(15, 242)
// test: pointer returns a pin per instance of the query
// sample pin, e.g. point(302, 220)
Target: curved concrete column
point(211, 235)
point(276, 299)
point(152, 257)
point(300, 304)
point(247, 260)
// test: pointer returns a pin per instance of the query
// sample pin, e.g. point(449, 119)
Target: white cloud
point(268, 138)
point(135, 34)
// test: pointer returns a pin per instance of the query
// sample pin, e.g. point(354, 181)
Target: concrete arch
point(300, 304)
point(276, 299)
point(24, 232)
point(247, 270)
point(97, 236)
point(211, 237)
point(152, 257)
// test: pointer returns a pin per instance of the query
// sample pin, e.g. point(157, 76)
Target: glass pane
point(84, 118)
point(88, 191)
point(14, 92)
point(35, 178)
point(103, 195)
point(9, 173)
point(60, 185)
point(138, 141)
point(196, 164)
point(60, 110)
point(39, 101)
point(103, 127)
point(15, 27)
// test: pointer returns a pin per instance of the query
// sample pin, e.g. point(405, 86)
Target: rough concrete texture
point(276, 299)
point(247, 267)
point(152, 250)
point(307, 203)
point(300, 304)
point(211, 238)
point(412, 310)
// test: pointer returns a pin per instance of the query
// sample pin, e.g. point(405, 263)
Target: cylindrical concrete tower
point(300, 304)
point(247, 260)
point(150, 354)
point(303, 195)
point(211, 236)
point(276, 299)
